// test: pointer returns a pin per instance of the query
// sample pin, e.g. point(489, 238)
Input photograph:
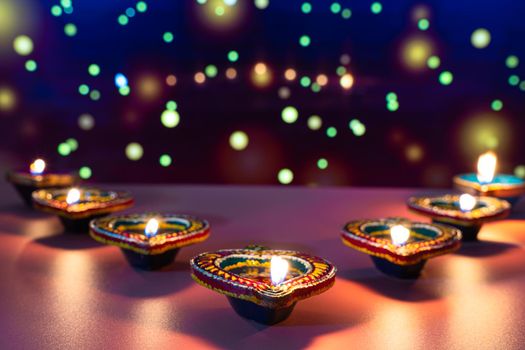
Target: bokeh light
point(358, 128)
point(233, 56)
point(148, 87)
point(304, 40)
point(415, 52)
point(134, 151)
point(284, 92)
point(231, 73)
point(170, 118)
point(331, 132)
point(306, 7)
point(519, 171)
point(85, 172)
point(289, 114)
point(86, 121)
point(480, 38)
point(496, 105)
point(314, 122)
point(446, 78)
point(261, 75)
point(64, 149)
point(120, 80)
point(285, 176)
point(261, 4)
point(322, 163)
point(199, 78)
point(7, 98)
point(94, 70)
point(211, 71)
point(171, 80)
point(23, 45)
point(239, 140)
point(347, 81)
point(70, 29)
point(31, 65)
point(414, 153)
point(480, 132)
point(165, 160)
point(512, 61)
point(433, 62)
point(168, 37)
point(290, 74)
point(376, 7)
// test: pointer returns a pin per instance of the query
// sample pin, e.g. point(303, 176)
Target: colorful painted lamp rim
point(318, 277)
point(45, 200)
point(104, 231)
point(496, 189)
point(447, 240)
point(491, 209)
point(42, 180)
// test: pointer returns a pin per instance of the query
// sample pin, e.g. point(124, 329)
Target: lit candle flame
point(151, 228)
point(278, 270)
point(37, 167)
point(487, 167)
point(399, 234)
point(467, 202)
point(73, 196)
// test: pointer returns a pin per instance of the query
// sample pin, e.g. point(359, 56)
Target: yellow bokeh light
point(239, 140)
point(215, 14)
point(485, 131)
point(261, 75)
point(415, 52)
point(7, 99)
point(347, 81)
point(149, 87)
point(23, 45)
point(414, 153)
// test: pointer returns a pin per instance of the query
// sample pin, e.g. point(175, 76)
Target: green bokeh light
point(322, 163)
point(346, 14)
point(304, 40)
point(171, 105)
point(305, 81)
point(340, 70)
point(142, 6)
point(514, 80)
point(519, 171)
point(123, 20)
point(94, 95)
point(512, 62)
point(335, 7)
point(423, 24)
point(165, 160)
point(376, 7)
point(219, 11)
point(211, 71)
point(83, 89)
point(446, 78)
point(496, 105)
point(85, 172)
point(233, 56)
point(70, 29)
point(331, 132)
point(433, 62)
point(391, 96)
point(73, 144)
point(64, 149)
point(358, 128)
point(316, 87)
point(94, 69)
point(168, 37)
point(314, 122)
point(392, 106)
point(124, 90)
point(31, 65)
point(56, 10)
point(289, 114)
point(261, 4)
point(306, 7)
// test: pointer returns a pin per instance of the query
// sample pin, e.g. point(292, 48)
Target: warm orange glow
point(487, 167)
point(399, 234)
point(322, 79)
point(290, 74)
point(347, 81)
point(231, 73)
point(278, 270)
point(37, 167)
point(199, 77)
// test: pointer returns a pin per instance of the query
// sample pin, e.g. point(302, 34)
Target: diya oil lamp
point(465, 212)
point(487, 183)
point(150, 241)
point(25, 182)
point(76, 207)
point(261, 284)
point(399, 247)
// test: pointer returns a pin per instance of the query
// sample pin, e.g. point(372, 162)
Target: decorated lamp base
point(77, 225)
point(148, 261)
point(259, 313)
point(398, 271)
point(469, 233)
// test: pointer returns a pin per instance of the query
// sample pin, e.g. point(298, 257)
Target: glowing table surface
point(67, 291)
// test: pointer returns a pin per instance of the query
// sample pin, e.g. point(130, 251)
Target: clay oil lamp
point(399, 247)
point(465, 212)
point(76, 207)
point(488, 183)
point(150, 241)
point(25, 182)
point(263, 285)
